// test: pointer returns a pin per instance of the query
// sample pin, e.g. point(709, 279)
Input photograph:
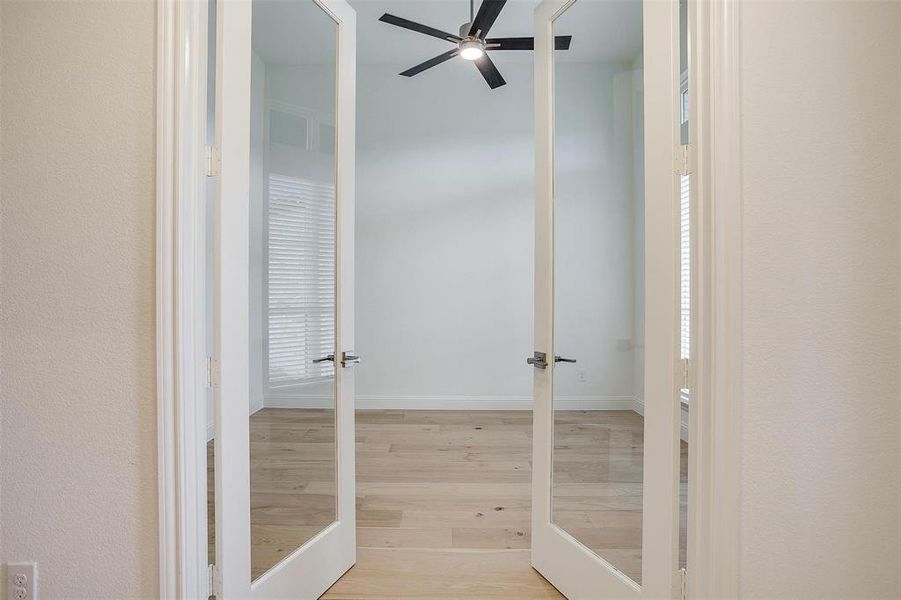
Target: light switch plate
point(21, 581)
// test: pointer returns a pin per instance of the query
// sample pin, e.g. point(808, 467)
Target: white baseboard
point(454, 402)
point(372, 402)
point(638, 405)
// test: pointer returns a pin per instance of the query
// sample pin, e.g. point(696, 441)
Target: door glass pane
point(292, 278)
point(599, 281)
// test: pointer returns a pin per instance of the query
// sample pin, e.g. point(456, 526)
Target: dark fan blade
point(488, 12)
point(561, 42)
point(520, 43)
point(489, 72)
point(431, 63)
point(413, 26)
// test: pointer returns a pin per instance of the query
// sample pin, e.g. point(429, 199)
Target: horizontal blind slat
point(301, 280)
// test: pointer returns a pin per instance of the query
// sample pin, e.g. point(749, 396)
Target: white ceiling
point(292, 32)
point(288, 32)
point(602, 30)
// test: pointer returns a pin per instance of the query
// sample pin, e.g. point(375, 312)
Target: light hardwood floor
point(443, 497)
point(443, 507)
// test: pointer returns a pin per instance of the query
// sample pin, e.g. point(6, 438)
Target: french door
point(605, 502)
point(284, 444)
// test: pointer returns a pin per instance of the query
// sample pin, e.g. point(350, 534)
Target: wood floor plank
point(405, 537)
point(441, 575)
point(444, 497)
point(500, 538)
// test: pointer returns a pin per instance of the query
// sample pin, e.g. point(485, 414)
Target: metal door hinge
point(213, 573)
point(683, 584)
point(212, 161)
point(686, 374)
point(212, 372)
point(683, 160)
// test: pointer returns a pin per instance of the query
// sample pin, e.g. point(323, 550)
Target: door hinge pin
point(683, 161)
point(212, 161)
point(683, 584)
point(213, 574)
point(212, 372)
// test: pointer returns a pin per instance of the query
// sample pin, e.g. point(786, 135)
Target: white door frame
point(180, 308)
point(716, 394)
point(180, 296)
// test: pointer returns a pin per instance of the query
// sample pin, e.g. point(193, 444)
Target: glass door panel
point(292, 222)
point(598, 315)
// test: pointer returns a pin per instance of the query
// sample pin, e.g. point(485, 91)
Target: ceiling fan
point(473, 42)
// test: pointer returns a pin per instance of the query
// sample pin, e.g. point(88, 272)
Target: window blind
point(301, 280)
point(685, 272)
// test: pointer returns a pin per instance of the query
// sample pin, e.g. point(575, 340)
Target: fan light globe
point(471, 50)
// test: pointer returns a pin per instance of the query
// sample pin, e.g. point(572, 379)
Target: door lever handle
point(349, 359)
point(566, 360)
point(329, 358)
point(538, 360)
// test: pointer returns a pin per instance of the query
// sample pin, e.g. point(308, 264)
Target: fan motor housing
point(471, 48)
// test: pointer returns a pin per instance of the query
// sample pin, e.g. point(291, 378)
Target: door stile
point(344, 264)
point(542, 407)
point(232, 263)
point(660, 531)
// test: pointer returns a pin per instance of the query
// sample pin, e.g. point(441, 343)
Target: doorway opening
point(444, 311)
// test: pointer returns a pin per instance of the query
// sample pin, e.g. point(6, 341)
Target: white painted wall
point(78, 451)
point(444, 235)
point(594, 222)
point(821, 129)
point(820, 470)
point(638, 237)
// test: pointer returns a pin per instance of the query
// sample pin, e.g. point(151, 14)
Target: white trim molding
point(165, 294)
point(181, 405)
point(715, 416)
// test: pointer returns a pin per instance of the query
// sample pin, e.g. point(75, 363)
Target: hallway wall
point(821, 84)
point(78, 451)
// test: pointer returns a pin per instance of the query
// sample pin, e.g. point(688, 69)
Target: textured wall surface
point(78, 455)
point(821, 86)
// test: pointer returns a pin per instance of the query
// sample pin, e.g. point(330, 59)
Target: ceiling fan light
point(471, 49)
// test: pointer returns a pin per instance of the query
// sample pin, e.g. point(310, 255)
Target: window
point(301, 280)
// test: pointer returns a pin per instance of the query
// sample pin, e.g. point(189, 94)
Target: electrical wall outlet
point(21, 581)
